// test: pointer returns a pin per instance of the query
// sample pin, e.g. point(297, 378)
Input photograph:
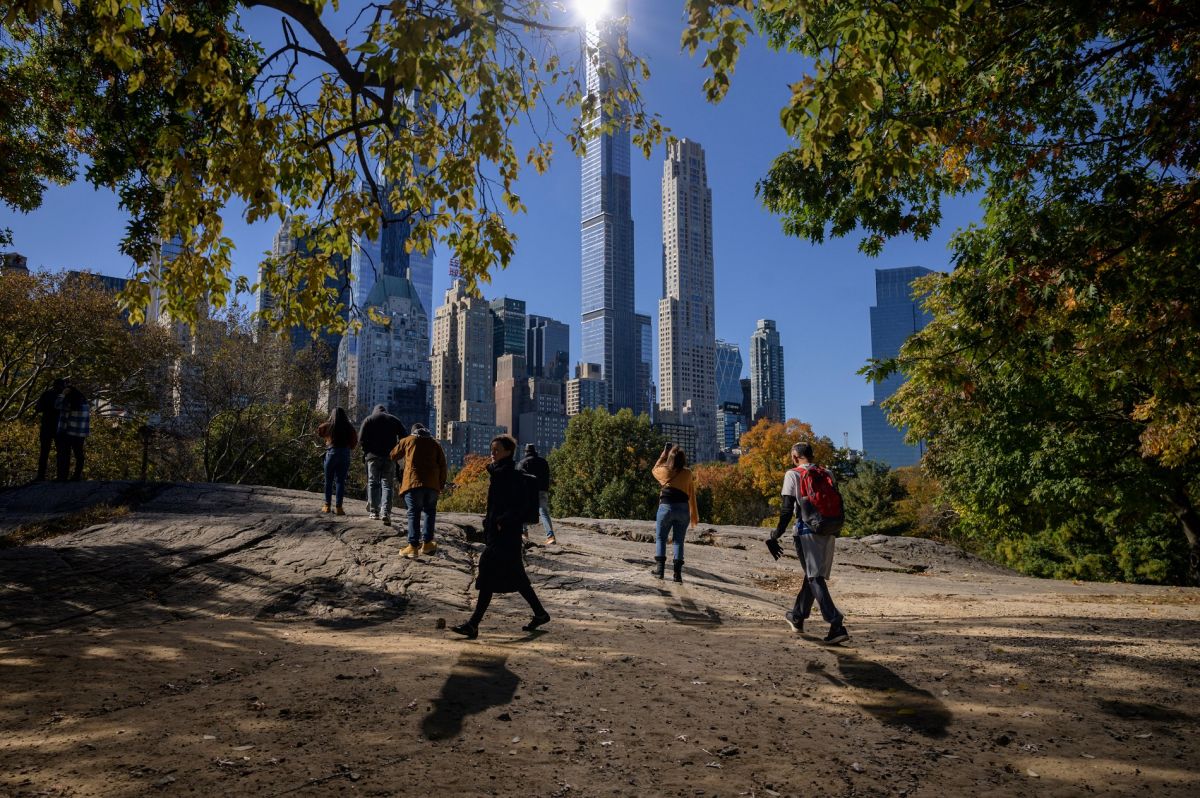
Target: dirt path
point(217, 642)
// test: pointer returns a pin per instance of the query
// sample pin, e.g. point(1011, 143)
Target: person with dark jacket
point(74, 425)
point(378, 435)
point(425, 475)
point(47, 409)
point(501, 567)
point(539, 468)
point(340, 439)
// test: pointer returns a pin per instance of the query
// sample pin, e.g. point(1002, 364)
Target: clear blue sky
point(819, 295)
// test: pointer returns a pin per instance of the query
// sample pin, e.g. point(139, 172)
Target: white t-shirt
point(791, 483)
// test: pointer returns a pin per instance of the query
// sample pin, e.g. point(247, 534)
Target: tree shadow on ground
point(889, 698)
point(477, 682)
point(335, 604)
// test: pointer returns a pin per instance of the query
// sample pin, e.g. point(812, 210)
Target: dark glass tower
point(609, 328)
point(894, 318)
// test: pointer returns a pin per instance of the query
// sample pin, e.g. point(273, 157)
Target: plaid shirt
point(76, 423)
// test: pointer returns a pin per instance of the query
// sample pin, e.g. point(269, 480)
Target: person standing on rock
point(501, 565)
point(814, 550)
point(340, 439)
point(537, 467)
point(425, 475)
point(74, 426)
point(378, 435)
point(676, 507)
point(47, 408)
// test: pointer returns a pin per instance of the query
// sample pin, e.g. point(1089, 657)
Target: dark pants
point(485, 598)
point(337, 468)
point(46, 439)
point(66, 445)
point(816, 552)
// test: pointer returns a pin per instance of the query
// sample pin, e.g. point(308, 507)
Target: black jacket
point(380, 432)
point(501, 567)
point(49, 412)
point(538, 467)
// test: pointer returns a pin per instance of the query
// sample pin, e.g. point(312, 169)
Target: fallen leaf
point(1034, 775)
point(242, 747)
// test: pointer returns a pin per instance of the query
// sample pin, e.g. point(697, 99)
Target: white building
point(686, 326)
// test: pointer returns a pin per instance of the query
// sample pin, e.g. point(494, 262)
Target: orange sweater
point(680, 480)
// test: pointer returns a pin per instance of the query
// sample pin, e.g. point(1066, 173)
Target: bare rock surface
point(228, 640)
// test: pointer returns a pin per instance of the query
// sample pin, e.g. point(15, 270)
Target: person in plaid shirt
point(74, 425)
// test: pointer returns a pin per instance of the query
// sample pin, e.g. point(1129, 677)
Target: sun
point(593, 10)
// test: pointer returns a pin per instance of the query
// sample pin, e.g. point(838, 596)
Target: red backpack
point(821, 508)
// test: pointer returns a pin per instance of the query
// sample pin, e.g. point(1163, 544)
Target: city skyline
point(760, 272)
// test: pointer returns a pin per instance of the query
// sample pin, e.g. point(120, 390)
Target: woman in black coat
point(501, 566)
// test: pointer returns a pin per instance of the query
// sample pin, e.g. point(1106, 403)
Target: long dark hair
point(341, 431)
point(73, 399)
point(677, 460)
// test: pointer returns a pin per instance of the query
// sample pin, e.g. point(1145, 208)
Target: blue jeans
point(420, 501)
point(379, 484)
point(337, 468)
point(671, 517)
point(816, 552)
point(544, 512)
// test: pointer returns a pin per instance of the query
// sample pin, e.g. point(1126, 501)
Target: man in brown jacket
point(425, 475)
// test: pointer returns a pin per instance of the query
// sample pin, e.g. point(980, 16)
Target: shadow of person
point(887, 696)
point(477, 682)
point(686, 611)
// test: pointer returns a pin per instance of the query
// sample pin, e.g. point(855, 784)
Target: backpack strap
point(805, 481)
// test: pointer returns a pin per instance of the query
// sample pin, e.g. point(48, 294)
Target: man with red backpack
point(809, 492)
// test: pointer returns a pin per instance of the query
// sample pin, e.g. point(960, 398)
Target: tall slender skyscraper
point(894, 318)
point(609, 329)
point(687, 377)
point(766, 373)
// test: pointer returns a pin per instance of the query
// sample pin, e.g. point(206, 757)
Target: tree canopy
point(1058, 380)
point(402, 112)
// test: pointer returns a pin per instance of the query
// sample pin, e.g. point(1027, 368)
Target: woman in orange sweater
point(676, 507)
point(340, 439)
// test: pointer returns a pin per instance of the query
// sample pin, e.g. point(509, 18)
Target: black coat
point(501, 566)
point(49, 412)
point(380, 432)
point(538, 467)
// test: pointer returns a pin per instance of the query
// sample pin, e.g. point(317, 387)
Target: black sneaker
point(467, 630)
point(797, 624)
point(538, 620)
point(837, 634)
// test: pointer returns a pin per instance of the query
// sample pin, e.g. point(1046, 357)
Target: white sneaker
point(375, 516)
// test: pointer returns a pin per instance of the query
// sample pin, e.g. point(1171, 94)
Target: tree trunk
point(1189, 522)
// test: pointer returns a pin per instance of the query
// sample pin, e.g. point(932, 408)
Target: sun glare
point(593, 10)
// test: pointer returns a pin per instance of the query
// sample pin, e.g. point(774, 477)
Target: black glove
point(774, 547)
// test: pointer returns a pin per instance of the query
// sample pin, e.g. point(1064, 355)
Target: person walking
point(676, 507)
point(47, 408)
point(340, 439)
point(814, 550)
point(425, 475)
point(74, 425)
point(378, 435)
point(536, 466)
point(501, 565)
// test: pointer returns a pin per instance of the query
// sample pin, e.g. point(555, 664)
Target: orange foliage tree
point(469, 494)
point(727, 495)
point(766, 452)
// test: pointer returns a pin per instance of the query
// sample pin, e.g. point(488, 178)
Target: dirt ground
point(221, 641)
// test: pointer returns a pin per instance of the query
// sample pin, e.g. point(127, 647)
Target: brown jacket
point(680, 480)
point(424, 463)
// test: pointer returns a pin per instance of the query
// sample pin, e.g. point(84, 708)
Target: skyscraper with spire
point(687, 376)
point(609, 335)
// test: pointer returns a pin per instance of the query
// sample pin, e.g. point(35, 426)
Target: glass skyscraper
point(606, 224)
point(894, 318)
point(547, 347)
point(766, 373)
point(729, 373)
